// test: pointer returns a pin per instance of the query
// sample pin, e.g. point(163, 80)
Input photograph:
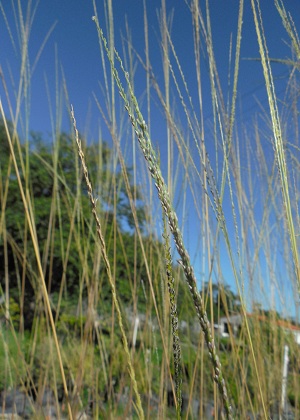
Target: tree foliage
point(55, 191)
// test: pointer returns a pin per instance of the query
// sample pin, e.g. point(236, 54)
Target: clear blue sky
point(75, 39)
point(78, 52)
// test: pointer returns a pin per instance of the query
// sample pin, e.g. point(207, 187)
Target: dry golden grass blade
point(31, 226)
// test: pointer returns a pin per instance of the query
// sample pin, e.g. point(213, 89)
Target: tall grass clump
point(149, 267)
point(142, 134)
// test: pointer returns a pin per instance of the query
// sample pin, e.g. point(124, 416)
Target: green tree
point(53, 181)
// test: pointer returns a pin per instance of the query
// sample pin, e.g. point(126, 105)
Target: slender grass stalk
point(31, 226)
point(174, 322)
point(276, 126)
point(164, 23)
point(289, 26)
point(93, 201)
point(142, 134)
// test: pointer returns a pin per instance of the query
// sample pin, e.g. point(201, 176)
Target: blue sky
point(75, 38)
point(73, 45)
